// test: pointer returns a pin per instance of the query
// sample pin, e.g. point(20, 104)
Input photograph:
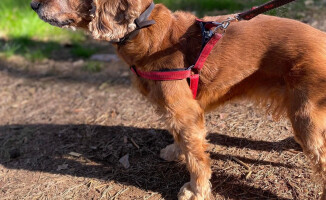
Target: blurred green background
point(23, 33)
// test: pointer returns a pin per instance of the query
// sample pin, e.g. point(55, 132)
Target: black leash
point(248, 15)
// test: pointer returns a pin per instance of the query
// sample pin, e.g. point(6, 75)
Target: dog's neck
point(141, 22)
point(164, 39)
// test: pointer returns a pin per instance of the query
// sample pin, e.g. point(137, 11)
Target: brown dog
point(279, 62)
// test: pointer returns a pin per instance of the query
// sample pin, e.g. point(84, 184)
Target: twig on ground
point(134, 143)
point(104, 194)
point(152, 194)
point(100, 186)
point(221, 183)
point(242, 163)
point(71, 189)
point(245, 165)
point(294, 151)
point(248, 175)
point(138, 183)
point(119, 193)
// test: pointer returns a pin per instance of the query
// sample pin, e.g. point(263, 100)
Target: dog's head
point(64, 13)
point(104, 19)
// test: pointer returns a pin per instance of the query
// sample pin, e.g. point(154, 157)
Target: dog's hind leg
point(308, 117)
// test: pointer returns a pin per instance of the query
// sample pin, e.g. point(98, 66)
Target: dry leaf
point(62, 167)
point(125, 161)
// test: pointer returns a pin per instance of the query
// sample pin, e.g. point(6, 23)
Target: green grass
point(18, 20)
point(83, 52)
point(93, 66)
point(30, 49)
point(23, 33)
point(202, 6)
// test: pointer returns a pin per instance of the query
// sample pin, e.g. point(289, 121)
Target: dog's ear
point(113, 19)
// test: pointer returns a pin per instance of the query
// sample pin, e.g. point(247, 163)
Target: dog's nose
point(35, 5)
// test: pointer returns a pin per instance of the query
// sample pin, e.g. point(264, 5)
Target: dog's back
point(263, 58)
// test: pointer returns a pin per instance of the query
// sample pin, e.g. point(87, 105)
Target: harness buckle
point(193, 70)
point(190, 68)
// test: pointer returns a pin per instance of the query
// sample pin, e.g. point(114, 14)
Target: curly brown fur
point(113, 19)
point(285, 69)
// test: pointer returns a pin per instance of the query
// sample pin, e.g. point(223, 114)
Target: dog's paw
point(186, 193)
point(171, 153)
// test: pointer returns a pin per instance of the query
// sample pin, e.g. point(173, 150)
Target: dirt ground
point(63, 131)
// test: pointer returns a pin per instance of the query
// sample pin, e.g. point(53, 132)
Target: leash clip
point(225, 24)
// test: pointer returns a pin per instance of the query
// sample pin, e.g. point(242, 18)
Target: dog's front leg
point(187, 126)
point(186, 122)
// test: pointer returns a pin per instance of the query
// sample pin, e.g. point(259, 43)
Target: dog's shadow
point(45, 147)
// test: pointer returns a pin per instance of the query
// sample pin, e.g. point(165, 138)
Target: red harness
point(192, 73)
point(210, 39)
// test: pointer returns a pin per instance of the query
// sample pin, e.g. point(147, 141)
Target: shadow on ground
point(45, 147)
point(220, 139)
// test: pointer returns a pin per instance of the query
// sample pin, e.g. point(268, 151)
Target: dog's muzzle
point(35, 5)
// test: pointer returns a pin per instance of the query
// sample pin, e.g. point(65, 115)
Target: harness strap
point(194, 79)
point(170, 75)
point(206, 51)
point(193, 72)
